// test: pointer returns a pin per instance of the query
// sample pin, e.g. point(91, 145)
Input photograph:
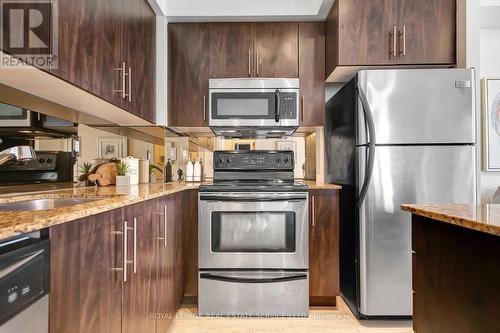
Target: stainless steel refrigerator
point(392, 137)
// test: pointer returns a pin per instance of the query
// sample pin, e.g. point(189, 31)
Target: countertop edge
point(453, 219)
point(62, 215)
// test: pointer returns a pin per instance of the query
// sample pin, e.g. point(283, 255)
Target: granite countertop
point(320, 186)
point(14, 223)
point(485, 218)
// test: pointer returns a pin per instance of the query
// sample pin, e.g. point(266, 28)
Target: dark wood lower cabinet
point(455, 278)
point(190, 245)
point(139, 291)
point(323, 247)
point(85, 290)
point(90, 292)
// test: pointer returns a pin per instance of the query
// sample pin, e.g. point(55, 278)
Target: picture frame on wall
point(108, 147)
point(491, 124)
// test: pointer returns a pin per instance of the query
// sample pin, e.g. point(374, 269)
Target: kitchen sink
point(44, 204)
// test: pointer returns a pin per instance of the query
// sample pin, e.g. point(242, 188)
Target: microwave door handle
point(223, 278)
point(277, 106)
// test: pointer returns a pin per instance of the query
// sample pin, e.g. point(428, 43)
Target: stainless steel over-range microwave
point(253, 104)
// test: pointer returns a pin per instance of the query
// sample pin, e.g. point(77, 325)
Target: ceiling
point(244, 10)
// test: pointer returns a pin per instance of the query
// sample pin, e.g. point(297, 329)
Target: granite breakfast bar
point(456, 267)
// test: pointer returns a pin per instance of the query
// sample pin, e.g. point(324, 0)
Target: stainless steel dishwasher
point(24, 285)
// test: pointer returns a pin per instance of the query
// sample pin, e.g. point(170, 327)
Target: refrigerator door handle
point(370, 146)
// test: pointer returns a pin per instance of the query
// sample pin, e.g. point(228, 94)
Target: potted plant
point(85, 171)
point(122, 179)
point(152, 176)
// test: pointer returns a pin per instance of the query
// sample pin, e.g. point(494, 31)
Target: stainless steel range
point(253, 237)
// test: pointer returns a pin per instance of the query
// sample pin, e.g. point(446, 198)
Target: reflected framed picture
point(109, 147)
point(491, 124)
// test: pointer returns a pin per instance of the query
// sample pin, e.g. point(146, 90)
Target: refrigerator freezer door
point(419, 106)
point(403, 174)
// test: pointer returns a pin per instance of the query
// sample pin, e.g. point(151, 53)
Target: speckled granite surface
point(320, 186)
point(19, 222)
point(485, 218)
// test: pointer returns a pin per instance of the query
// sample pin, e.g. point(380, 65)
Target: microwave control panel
point(288, 105)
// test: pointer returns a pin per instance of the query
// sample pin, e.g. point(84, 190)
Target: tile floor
point(321, 320)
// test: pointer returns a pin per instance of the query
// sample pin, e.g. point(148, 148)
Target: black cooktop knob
point(221, 161)
point(278, 160)
point(49, 160)
point(228, 160)
point(41, 160)
point(286, 159)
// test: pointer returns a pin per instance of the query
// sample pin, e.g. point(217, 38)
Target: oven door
point(253, 230)
point(253, 108)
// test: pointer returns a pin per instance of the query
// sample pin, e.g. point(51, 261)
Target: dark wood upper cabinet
point(108, 49)
point(427, 31)
point(324, 285)
point(231, 50)
point(90, 46)
point(139, 291)
point(312, 73)
point(86, 288)
point(139, 40)
point(276, 49)
point(362, 33)
point(365, 32)
point(189, 68)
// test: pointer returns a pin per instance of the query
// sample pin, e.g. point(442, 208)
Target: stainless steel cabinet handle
point(257, 62)
point(122, 70)
point(394, 35)
point(130, 84)
point(165, 226)
point(204, 108)
point(135, 245)
point(313, 217)
point(125, 250)
point(403, 34)
point(249, 62)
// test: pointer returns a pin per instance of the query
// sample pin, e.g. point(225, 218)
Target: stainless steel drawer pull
point(216, 277)
point(122, 70)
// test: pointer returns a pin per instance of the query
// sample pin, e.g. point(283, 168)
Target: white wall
point(483, 49)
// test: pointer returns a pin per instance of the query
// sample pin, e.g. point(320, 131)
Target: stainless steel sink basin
point(44, 204)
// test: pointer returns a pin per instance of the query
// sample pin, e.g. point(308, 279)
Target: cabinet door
point(324, 247)
point(312, 73)
point(277, 49)
point(166, 301)
point(85, 287)
point(139, 291)
point(89, 46)
point(189, 50)
point(139, 40)
point(231, 50)
point(366, 30)
point(176, 209)
point(427, 31)
point(190, 243)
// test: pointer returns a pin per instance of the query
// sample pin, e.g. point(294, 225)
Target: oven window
point(253, 232)
point(11, 112)
point(243, 105)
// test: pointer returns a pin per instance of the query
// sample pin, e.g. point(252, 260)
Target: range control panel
point(42, 162)
point(253, 160)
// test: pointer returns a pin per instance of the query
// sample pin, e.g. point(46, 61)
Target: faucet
point(18, 153)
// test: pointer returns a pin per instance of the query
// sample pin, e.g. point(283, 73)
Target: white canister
point(189, 171)
point(197, 171)
point(133, 169)
point(143, 171)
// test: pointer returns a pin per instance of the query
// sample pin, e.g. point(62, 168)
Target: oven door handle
point(223, 278)
point(254, 197)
